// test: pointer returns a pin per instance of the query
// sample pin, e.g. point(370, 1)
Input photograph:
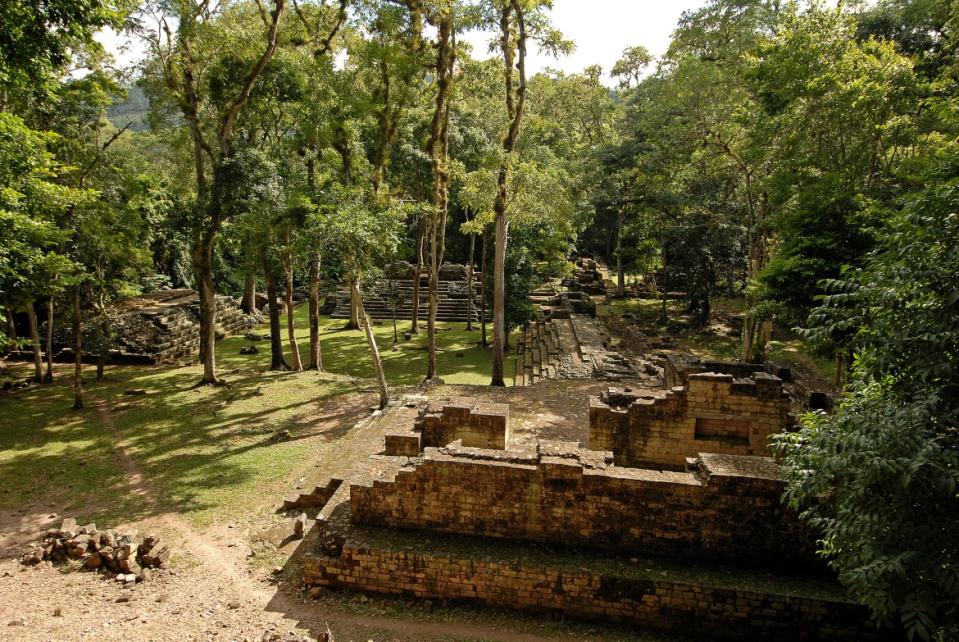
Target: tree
point(879, 478)
point(181, 63)
point(629, 69)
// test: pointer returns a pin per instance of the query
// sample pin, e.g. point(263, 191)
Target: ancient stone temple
point(453, 508)
point(457, 299)
point(160, 327)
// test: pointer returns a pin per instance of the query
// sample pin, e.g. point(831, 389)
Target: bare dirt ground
point(238, 580)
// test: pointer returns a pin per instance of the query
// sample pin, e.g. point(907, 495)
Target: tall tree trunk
point(316, 351)
point(469, 286)
point(499, 301)
point(11, 324)
point(34, 341)
point(354, 322)
point(483, 339)
point(290, 321)
point(620, 272)
point(420, 238)
point(48, 377)
point(514, 110)
point(104, 350)
point(438, 148)
point(248, 302)
point(374, 350)
point(277, 360)
point(203, 269)
point(77, 352)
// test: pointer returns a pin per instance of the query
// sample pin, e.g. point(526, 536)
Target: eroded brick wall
point(713, 413)
point(477, 424)
point(725, 508)
point(662, 603)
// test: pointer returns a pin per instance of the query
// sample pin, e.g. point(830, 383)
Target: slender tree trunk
point(420, 236)
point(514, 111)
point(433, 305)
point(11, 324)
point(438, 148)
point(248, 303)
point(203, 268)
point(34, 342)
point(620, 272)
point(499, 301)
point(77, 352)
point(469, 286)
point(483, 339)
point(277, 360)
point(765, 336)
point(749, 331)
point(48, 377)
point(104, 330)
point(290, 321)
point(374, 350)
point(663, 316)
point(316, 351)
point(354, 322)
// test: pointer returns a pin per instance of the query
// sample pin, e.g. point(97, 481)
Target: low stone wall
point(713, 413)
point(724, 508)
point(657, 601)
point(473, 423)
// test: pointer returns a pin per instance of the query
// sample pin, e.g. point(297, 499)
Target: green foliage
point(880, 477)
point(38, 38)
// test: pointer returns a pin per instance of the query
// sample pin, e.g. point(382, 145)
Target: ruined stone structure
point(587, 277)
point(160, 327)
point(460, 419)
point(722, 508)
point(707, 551)
point(712, 413)
point(452, 289)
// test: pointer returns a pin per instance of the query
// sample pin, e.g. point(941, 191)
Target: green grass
point(208, 453)
point(460, 360)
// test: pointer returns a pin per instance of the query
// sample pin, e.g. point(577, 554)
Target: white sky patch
point(601, 30)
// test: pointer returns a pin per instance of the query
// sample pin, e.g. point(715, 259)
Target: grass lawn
point(208, 453)
point(460, 360)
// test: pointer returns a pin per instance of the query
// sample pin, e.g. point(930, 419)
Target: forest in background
point(799, 154)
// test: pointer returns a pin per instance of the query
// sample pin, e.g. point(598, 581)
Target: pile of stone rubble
point(120, 556)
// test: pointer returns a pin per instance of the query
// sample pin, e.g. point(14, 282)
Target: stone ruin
point(586, 277)
point(451, 509)
point(161, 327)
point(453, 295)
point(713, 412)
point(118, 555)
point(566, 341)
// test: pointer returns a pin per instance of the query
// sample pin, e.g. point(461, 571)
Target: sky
point(601, 29)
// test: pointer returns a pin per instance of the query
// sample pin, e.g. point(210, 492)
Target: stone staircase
point(453, 301)
point(538, 353)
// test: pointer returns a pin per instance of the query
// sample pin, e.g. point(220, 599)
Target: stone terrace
point(555, 526)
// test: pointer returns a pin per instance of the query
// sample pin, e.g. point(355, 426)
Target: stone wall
point(473, 423)
point(713, 413)
point(724, 508)
point(747, 612)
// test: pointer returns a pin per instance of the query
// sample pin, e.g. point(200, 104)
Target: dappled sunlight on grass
point(460, 358)
point(208, 452)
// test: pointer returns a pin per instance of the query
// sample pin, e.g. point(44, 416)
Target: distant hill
point(134, 109)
